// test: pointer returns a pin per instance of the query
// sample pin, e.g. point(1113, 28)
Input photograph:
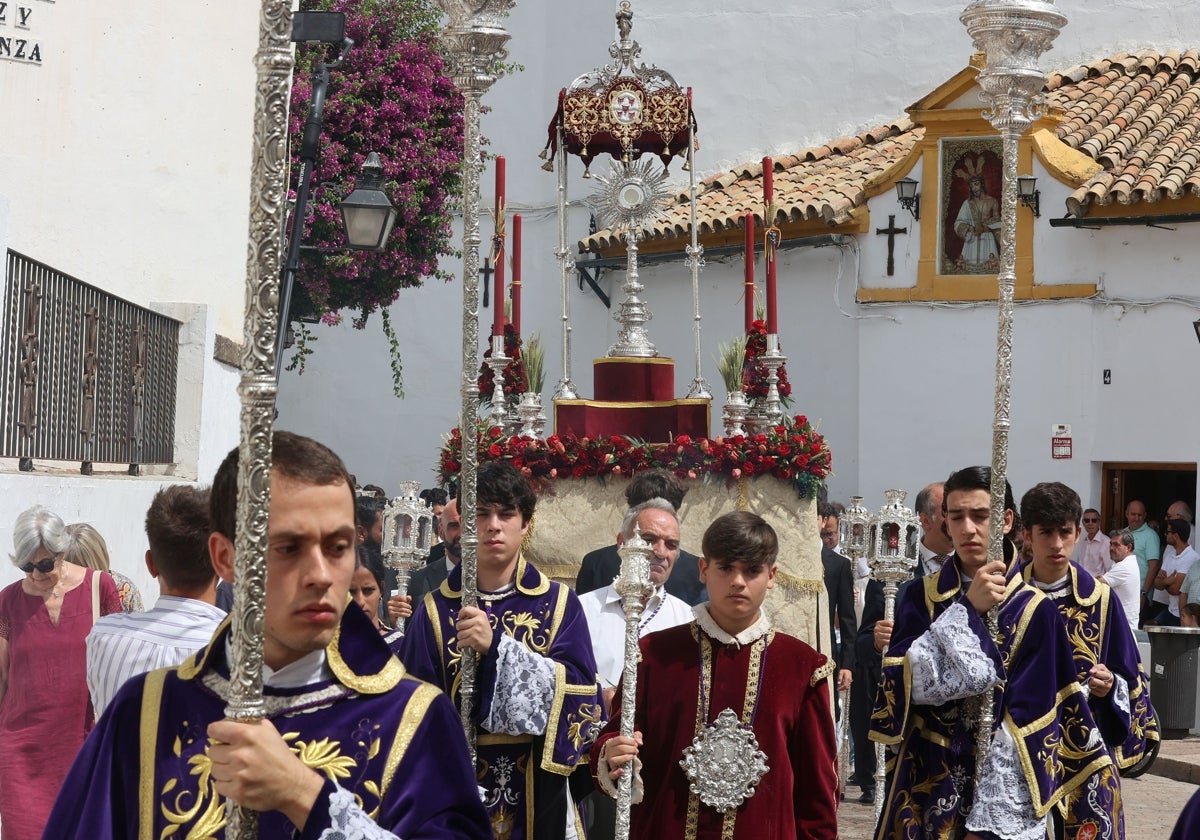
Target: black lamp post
point(369, 217)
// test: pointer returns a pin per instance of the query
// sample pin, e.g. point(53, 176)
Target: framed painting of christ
point(969, 208)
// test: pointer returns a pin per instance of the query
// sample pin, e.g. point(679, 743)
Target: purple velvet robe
point(393, 742)
point(1099, 633)
point(931, 783)
point(524, 776)
point(1188, 825)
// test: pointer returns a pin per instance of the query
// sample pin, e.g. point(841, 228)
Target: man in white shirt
point(1177, 561)
point(1123, 576)
point(124, 645)
point(658, 524)
point(1182, 510)
point(1092, 551)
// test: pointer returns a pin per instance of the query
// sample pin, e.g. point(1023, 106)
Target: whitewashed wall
point(904, 393)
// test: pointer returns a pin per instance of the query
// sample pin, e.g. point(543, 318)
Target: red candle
point(748, 287)
point(768, 166)
point(498, 295)
point(516, 281)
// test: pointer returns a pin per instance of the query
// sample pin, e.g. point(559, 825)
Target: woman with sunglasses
point(45, 710)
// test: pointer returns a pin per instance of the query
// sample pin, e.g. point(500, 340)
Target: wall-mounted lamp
point(1028, 193)
point(909, 198)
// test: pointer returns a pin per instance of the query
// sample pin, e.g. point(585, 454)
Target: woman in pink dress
point(45, 710)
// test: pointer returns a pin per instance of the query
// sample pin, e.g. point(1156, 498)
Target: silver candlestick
point(566, 388)
point(498, 362)
point(695, 262)
point(634, 587)
point(474, 41)
point(773, 360)
point(1012, 35)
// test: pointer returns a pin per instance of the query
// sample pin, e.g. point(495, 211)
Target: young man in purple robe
point(727, 684)
point(941, 659)
point(539, 705)
point(1106, 657)
point(351, 746)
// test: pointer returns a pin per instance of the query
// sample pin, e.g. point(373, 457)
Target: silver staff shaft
point(258, 386)
point(890, 587)
point(695, 262)
point(633, 616)
point(566, 388)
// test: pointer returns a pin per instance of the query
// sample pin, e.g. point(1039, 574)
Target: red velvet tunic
point(797, 798)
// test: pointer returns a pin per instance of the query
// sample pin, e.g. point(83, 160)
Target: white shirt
point(1125, 580)
point(931, 561)
point(1092, 554)
point(606, 625)
point(123, 645)
point(1173, 562)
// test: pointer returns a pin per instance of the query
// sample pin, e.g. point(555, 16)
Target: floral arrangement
point(515, 380)
point(391, 96)
point(754, 372)
point(534, 357)
point(731, 362)
point(792, 451)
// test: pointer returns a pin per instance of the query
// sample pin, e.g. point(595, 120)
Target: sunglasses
point(44, 566)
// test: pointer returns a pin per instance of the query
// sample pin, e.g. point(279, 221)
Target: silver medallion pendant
point(724, 763)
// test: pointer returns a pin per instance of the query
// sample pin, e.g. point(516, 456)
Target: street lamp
point(367, 213)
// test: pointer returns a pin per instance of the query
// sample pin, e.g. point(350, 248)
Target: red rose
point(494, 451)
point(579, 471)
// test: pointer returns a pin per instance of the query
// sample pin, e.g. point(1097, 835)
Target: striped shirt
point(124, 645)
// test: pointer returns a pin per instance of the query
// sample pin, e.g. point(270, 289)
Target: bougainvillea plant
point(391, 96)
point(754, 371)
point(793, 451)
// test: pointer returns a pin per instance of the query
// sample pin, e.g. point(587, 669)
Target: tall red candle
point(516, 281)
point(498, 295)
point(748, 286)
point(768, 166)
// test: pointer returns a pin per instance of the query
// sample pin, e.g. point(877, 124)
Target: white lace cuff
point(524, 691)
point(348, 822)
point(1120, 695)
point(610, 787)
point(948, 662)
point(1003, 804)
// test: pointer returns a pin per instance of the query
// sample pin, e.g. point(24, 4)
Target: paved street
point(1152, 804)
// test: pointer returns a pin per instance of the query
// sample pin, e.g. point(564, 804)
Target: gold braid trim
point(743, 500)
point(822, 673)
point(152, 690)
point(805, 585)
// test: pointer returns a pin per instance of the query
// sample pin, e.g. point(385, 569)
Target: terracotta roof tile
point(1137, 115)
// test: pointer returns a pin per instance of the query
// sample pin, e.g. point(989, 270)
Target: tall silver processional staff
point(258, 386)
point(474, 42)
point(1012, 35)
point(634, 587)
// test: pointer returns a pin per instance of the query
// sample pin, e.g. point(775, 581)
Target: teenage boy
point(538, 702)
point(941, 658)
point(727, 684)
point(1106, 658)
point(350, 746)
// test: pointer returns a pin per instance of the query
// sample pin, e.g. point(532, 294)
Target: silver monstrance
point(407, 535)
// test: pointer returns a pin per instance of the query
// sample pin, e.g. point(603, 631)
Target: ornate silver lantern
point(407, 534)
point(855, 526)
point(1012, 35)
point(634, 587)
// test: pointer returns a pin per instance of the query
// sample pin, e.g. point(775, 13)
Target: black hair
point(499, 483)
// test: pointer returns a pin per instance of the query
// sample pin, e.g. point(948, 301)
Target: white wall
point(126, 153)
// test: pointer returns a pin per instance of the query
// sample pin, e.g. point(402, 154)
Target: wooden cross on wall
point(890, 231)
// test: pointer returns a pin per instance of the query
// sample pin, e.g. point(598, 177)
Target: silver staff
point(407, 535)
point(474, 40)
point(894, 554)
point(634, 587)
point(695, 262)
point(1012, 35)
point(268, 195)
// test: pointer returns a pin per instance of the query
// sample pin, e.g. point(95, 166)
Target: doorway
point(1156, 485)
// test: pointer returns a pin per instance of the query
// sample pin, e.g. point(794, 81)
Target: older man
point(1147, 548)
point(1092, 549)
point(1182, 510)
point(658, 525)
point(1122, 575)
